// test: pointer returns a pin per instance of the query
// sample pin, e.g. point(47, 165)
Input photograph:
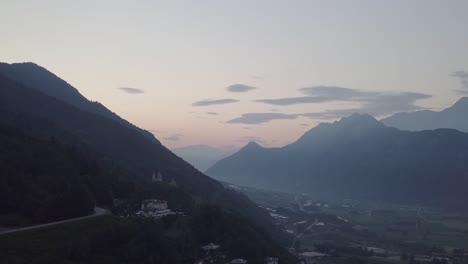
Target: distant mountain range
point(359, 157)
point(202, 156)
point(453, 117)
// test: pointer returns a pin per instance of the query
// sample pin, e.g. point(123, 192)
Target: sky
point(224, 73)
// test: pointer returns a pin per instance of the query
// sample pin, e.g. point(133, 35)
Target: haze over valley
point(234, 132)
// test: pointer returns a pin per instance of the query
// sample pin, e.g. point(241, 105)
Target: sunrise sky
point(224, 73)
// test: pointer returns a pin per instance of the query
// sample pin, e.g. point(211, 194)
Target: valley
point(371, 231)
point(234, 132)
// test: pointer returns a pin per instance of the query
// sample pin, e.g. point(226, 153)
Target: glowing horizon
point(222, 74)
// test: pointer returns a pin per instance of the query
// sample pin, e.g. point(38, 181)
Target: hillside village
point(213, 253)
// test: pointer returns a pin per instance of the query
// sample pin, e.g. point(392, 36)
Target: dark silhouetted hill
point(39, 78)
point(25, 107)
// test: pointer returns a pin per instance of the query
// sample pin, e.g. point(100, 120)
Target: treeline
point(173, 239)
point(44, 180)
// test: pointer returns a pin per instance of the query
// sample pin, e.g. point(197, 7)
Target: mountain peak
point(355, 124)
point(359, 120)
point(462, 103)
point(358, 116)
point(252, 145)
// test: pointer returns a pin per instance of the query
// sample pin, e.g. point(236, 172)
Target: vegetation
point(60, 158)
point(133, 152)
point(108, 239)
point(43, 181)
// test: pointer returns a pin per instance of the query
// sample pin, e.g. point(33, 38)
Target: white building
point(153, 204)
point(238, 261)
point(310, 257)
point(210, 247)
point(154, 208)
point(157, 178)
point(270, 260)
point(173, 183)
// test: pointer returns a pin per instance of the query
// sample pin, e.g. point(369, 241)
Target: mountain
point(32, 75)
point(26, 107)
point(452, 117)
point(361, 158)
point(202, 156)
point(122, 151)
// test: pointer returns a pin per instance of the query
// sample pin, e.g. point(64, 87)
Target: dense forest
point(174, 239)
point(44, 181)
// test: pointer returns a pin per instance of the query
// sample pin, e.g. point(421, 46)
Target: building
point(210, 247)
point(311, 257)
point(271, 260)
point(157, 178)
point(154, 208)
point(173, 183)
point(238, 261)
point(376, 250)
point(153, 204)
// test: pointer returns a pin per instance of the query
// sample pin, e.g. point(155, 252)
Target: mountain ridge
point(43, 116)
point(34, 75)
point(451, 117)
point(355, 161)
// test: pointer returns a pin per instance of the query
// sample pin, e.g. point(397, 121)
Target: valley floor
point(351, 231)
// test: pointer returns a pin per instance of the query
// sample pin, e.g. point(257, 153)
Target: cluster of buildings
point(310, 257)
point(154, 208)
point(159, 178)
point(212, 255)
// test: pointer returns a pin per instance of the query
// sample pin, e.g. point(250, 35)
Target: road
point(298, 203)
point(97, 212)
point(307, 229)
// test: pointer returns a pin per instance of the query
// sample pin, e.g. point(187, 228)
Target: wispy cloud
point(374, 103)
point(257, 77)
point(209, 102)
point(385, 104)
point(211, 113)
point(380, 105)
point(175, 137)
point(130, 90)
point(259, 118)
point(462, 76)
point(293, 100)
point(240, 88)
point(321, 94)
point(335, 92)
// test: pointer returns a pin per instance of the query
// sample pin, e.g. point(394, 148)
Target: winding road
point(97, 212)
point(307, 229)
